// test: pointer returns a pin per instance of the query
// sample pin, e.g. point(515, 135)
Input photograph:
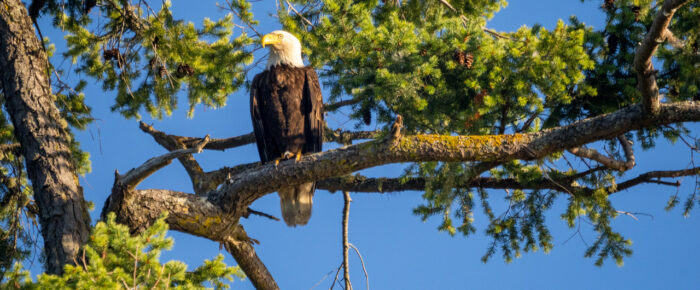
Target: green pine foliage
point(114, 259)
point(444, 73)
point(157, 57)
point(435, 64)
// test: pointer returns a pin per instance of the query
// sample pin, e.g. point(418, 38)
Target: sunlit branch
point(658, 34)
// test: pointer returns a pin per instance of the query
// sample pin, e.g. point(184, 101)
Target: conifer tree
point(469, 108)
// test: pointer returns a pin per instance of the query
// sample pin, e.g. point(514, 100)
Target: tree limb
point(191, 214)
point(658, 33)
point(346, 260)
point(246, 187)
point(647, 177)
point(216, 215)
point(132, 178)
point(609, 162)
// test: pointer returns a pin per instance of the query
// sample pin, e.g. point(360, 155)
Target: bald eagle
point(286, 106)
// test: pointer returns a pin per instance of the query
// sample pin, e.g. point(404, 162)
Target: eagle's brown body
point(287, 111)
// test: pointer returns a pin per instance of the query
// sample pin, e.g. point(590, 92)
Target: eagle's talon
point(298, 157)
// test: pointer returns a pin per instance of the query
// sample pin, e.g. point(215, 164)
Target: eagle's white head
point(284, 49)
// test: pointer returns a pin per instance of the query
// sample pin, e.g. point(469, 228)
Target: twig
point(336, 275)
point(322, 279)
point(363, 264)
point(299, 14)
point(259, 213)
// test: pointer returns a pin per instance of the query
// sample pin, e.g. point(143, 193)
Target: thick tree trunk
point(41, 132)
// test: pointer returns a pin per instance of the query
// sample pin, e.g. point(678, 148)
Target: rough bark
point(188, 213)
point(658, 33)
point(244, 188)
point(44, 140)
point(215, 214)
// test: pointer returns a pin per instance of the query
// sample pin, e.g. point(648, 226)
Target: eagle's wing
point(313, 112)
point(258, 126)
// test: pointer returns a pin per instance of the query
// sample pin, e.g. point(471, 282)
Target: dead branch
point(132, 178)
point(649, 176)
point(339, 104)
point(188, 161)
point(346, 217)
point(658, 34)
point(361, 261)
point(606, 161)
point(259, 213)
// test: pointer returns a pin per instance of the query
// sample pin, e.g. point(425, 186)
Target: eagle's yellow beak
point(270, 39)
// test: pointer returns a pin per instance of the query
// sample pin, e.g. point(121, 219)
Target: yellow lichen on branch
point(474, 147)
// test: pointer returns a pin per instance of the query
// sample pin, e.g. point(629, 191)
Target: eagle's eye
point(280, 36)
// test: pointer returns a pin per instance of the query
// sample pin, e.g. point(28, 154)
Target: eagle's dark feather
point(287, 111)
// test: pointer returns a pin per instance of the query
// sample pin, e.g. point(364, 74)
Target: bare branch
point(649, 176)
point(629, 152)
point(361, 261)
point(172, 143)
point(262, 214)
point(658, 34)
point(608, 162)
point(346, 217)
point(337, 105)
point(138, 174)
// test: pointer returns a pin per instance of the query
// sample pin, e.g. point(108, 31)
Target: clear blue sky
point(399, 250)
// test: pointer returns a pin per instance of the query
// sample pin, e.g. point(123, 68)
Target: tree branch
point(648, 177)
point(658, 33)
point(246, 187)
point(609, 162)
point(172, 143)
point(132, 178)
point(339, 104)
point(346, 217)
point(359, 183)
point(191, 214)
point(216, 216)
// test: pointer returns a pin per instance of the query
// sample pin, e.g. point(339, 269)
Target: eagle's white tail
point(296, 203)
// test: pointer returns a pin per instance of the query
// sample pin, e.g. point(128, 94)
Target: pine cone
point(464, 59)
point(184, 70)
